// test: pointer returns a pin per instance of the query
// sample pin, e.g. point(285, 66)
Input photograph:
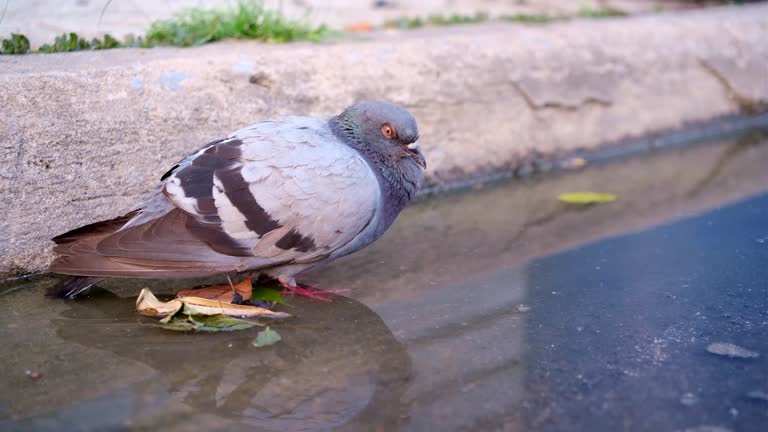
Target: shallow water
point(494, 309)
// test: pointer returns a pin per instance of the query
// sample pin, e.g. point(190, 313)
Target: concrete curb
point(85, 135)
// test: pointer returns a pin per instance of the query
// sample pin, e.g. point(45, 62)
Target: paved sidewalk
point(43, 20)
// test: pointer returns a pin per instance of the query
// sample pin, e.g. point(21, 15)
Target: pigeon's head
point(381, 127)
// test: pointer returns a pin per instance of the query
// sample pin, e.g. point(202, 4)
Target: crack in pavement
point(746, 104)
point(557, 105)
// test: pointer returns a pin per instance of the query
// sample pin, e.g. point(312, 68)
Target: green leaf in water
point(215, 323)
point(176, 323)
point(267, 294)
point(586, 198)
point(266, 337)
point(210, 323)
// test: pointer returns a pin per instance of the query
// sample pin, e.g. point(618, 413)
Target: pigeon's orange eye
point(388, 131)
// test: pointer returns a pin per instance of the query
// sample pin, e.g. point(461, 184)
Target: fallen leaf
point(266, 337)
point(586, 198)
point(147, 304)
point(219, 323)
point(209, 323)
point(201, 314)
point(201, 306)
point(223, 292)
point(267, 294)
point(176, 323)
point(731, 350)
point(167, 319)
point(360, 27)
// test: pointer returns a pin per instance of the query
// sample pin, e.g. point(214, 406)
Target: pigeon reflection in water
point(337, 366)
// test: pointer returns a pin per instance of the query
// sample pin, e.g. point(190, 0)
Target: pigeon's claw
point(308, 291)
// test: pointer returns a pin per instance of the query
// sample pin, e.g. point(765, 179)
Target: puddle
point(495, 309)
point(102, 368)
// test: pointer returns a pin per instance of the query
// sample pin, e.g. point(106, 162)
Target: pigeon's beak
point(415, 153)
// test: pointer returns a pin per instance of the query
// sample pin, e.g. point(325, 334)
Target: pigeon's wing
point(184, 255)
point(277, 192)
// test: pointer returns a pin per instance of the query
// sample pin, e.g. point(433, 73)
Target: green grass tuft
point(442, 20)
point(529, 19)
point(17, 44)
point(406, 23)
point(248, 20)
point(447, 20)
point(73, 42)
point(66, 43)
point(588, 12)
point(585, 12)
point(192, 27)
point(107, 43)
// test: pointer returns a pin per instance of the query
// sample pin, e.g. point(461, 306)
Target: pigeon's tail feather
point(72, 286)
point(95, 229)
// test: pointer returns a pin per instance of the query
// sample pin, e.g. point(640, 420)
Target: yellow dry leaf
point(203, 306)
point(225, 292)
point(586, 198)
point(147, 304)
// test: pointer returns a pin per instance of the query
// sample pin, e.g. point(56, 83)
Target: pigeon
point(275, 199)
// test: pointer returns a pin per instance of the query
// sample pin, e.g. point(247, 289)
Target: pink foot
point(311, 292)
